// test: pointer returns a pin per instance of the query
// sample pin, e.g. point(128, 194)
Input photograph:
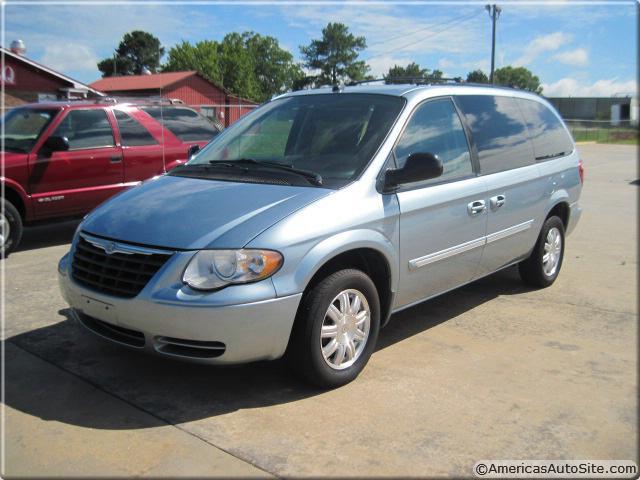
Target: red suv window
point(132, 132)
point(86, 129)
point(184, 123)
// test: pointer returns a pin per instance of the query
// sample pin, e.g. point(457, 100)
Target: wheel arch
point(364, 250)
point(13, 193)
point(560, 208)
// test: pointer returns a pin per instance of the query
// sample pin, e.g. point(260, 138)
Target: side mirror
point(56, 144)
point(193, 149)
point(417, 168)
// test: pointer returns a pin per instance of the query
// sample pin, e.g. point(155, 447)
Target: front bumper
point(169, 319)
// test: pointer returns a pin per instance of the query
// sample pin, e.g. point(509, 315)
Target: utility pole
point(494, 13)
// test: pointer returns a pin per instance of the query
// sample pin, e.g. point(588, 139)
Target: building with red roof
point(26, 81)
point(189, 87)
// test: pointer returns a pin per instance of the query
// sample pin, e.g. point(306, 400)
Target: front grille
point(118, 274)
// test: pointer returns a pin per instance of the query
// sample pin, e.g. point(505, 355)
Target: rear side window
point(133, 133)
point(86, 129)
point(499, 132)
point(184, 123)
point(436, 128)
point(549, 137)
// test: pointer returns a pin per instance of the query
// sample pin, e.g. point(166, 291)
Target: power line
point(449, 24)
point(404, 34)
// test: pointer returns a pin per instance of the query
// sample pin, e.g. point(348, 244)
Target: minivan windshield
point(328, 136)
point(23, 126)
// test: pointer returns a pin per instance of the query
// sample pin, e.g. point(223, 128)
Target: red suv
point(63, 159)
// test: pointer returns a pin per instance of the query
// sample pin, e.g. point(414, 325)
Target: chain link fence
point(604, 131)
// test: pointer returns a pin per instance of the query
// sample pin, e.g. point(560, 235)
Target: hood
point(191, 213)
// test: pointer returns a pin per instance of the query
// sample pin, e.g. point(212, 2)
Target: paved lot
point(491, 371)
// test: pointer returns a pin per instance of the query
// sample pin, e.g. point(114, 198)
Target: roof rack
point(138, 100)
point(409, 80)
point(146, 100)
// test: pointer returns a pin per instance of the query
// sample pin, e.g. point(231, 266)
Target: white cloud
point(576, 58)
point(446, 63)
point(392, 33)
point(64, 57)
point(483, 64)
point(540, 45)
point(570, 87)
point(61, 44)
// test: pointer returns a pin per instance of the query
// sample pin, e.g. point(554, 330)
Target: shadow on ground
point(47, 235)
point(177, 392)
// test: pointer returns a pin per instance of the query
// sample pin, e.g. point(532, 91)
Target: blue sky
point(578, 50)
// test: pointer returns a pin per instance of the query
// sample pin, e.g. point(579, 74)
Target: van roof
point(399, 90)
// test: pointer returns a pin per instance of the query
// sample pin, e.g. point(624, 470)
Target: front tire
point(543, 265)
point(10, 228)
point(336, 329)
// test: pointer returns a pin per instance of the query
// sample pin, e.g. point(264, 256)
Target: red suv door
point(74, 181)
point(143, 152)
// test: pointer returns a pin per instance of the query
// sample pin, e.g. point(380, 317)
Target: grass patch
point(622, 136)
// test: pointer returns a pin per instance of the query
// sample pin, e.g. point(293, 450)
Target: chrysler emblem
point(110, 248)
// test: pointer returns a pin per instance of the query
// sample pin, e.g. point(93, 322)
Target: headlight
point(211, 269)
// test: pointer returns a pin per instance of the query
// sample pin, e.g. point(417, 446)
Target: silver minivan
point(301, 229)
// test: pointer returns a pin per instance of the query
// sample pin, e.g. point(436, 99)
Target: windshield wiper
point(312, 177)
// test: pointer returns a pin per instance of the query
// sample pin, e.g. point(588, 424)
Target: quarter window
point(86, 129)
point(499, 132)
point(436, 128)
point(549, 137)
point(132, 133)
point(184, 123)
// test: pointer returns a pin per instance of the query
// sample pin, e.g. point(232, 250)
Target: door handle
point(116, 158)
point(476, 207)
point(496, 202)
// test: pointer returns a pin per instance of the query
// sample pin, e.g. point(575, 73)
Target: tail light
point(581, 171)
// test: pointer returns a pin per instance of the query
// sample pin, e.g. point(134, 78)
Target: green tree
point(274, 68)
point(237, 65)
point(434, 77)
point(519, 77)
point(477, 76)
point(203, 57)
point(248, 64)
point(335, 55)
point(412, 73)
point(399, 74)
point(137, 50)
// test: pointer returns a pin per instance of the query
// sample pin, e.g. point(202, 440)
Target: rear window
point(132, 133)
point(499, 132)
point(184, 123)
point(549, 137)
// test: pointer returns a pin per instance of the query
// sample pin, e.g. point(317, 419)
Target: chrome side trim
point(110, 246)
point(465, 247)
point(507, 232)
point(447, 253)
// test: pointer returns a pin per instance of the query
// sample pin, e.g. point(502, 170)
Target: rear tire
point(543, 265)
point(336, 329)
point(10, 228)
